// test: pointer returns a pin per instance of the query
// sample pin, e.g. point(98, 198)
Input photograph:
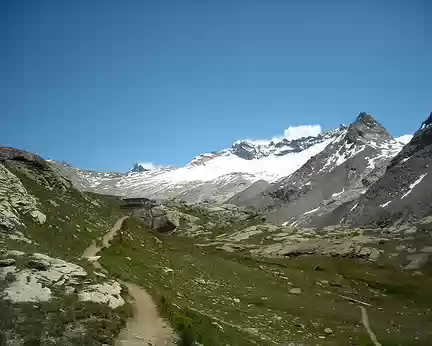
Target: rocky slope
point(294, 180)
point(341, 172)
point(48, 294)
point(402, 194)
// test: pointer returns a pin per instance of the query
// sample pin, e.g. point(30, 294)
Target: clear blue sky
point(104, 84)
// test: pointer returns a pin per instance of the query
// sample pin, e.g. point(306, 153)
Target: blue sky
point(104, 84)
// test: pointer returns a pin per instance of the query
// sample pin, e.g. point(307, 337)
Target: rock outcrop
point(15, 201)
point(401, 195)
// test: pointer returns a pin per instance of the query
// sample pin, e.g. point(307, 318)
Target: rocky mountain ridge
point(216, 176)
point(362, 179)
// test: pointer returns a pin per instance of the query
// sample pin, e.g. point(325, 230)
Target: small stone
point(128, 258)
point(318, 268)
point(53, 203)
point(236, 300)
point(328, 331)
point(7, 262)
point(295, 290)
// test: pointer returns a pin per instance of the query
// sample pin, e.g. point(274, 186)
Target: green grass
point(210, 312)
point(74, 220)
point(72, 225)
point(53, 322)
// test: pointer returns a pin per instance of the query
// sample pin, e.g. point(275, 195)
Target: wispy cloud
point(150, 165)
point(296, 132)
point(290, 133)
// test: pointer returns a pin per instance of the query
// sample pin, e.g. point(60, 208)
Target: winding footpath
point(365, 321)
point(146, 327)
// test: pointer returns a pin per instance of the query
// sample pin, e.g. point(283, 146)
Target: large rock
point(157, 219)
point(162, 224)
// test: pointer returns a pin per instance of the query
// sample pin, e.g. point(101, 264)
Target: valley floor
point(215, 298)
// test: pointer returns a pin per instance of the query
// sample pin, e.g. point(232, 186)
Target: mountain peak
point(138, 168)
point(367, 119)
point(365, 128)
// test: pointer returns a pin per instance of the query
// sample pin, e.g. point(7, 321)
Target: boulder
point(38, 264)
point(157, 218)
point(162, 224)
point(7, 262)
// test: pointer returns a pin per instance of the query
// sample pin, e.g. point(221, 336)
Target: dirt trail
point(365, 321)
point(146, 327)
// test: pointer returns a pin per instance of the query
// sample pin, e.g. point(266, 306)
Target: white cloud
point(292, 132)
point(150, 165)
point(405, 139)
point(296, 132)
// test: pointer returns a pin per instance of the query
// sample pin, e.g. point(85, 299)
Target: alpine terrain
point(319, 240)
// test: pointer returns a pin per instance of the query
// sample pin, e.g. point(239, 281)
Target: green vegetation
point(74, 219)
point(217, 298)
point(61, 321)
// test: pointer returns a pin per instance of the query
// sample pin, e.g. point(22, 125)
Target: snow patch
point(385, 204)
point(405, 139)
point(414, 184)
point(311, 211)
point(338, 193)
point(406, 159)
point(352, 209)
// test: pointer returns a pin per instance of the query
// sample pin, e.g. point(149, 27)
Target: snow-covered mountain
point(352, 161)
point(214, 176)
point(402, 194)
point(253, 166)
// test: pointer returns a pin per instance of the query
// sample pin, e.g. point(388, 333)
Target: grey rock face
point(138, 168)
point(403, 193)
point(34, 167)
point(155, 217)
point(339, 174)
point(160, 221)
